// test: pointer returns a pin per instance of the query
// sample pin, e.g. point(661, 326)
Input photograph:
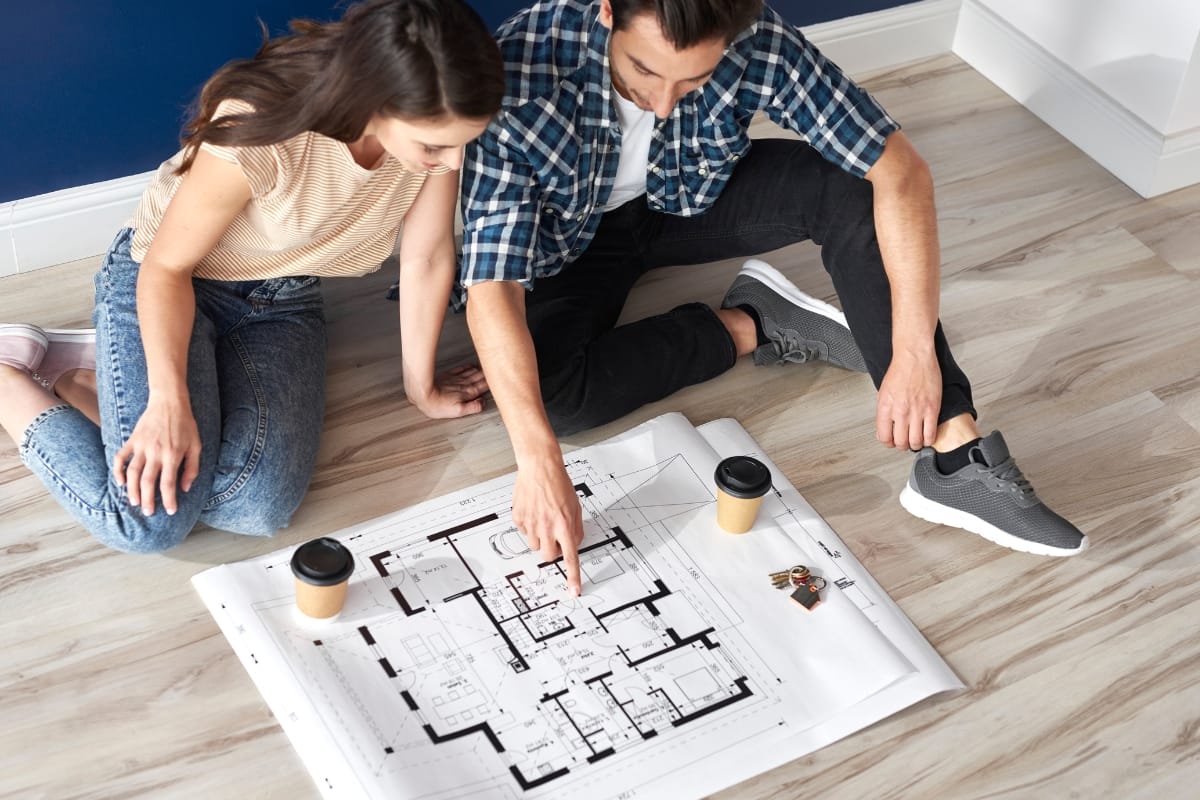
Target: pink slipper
point(67, 350)
point(22, 346)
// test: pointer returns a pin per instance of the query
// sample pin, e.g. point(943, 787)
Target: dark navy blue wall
point(89, 94)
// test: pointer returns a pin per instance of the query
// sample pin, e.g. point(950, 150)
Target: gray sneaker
point(800, 328)
point(989, 497)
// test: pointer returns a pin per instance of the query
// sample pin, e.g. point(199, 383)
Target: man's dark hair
point(686, 23)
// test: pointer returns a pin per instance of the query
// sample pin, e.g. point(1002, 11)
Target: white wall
point(1187, 106)
point(77, 223)
point(1137, 51)
point(1119, 78)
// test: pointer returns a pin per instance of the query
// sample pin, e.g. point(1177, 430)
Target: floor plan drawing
point(461, 667)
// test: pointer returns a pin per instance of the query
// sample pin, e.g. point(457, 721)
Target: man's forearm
point(906, 226)
point(910, 392)
point(496, 317)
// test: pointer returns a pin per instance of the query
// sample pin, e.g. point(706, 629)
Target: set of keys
point(806, 586)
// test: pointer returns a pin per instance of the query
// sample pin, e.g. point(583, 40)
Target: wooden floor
point(1071, 302)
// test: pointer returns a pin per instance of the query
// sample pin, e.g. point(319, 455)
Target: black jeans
point(782, 192)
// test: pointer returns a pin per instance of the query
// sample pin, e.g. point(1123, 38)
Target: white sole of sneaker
point(762, 271)
point(71, 336)
point(24, 331)
point(930, 511)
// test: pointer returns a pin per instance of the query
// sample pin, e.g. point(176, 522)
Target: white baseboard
point(1130, 148)
point(882, 39)
point(80, 222)
point(66, 225)
point(8, 259)
point(1179, 164)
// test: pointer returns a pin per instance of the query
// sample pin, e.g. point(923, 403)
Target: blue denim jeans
point(256, 376)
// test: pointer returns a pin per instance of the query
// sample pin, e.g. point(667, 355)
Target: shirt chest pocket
point(718, 150)
point(563, 213)
point(565, 201)
point(561, 218)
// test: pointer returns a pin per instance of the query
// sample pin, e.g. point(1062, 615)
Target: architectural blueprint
point(460, 666)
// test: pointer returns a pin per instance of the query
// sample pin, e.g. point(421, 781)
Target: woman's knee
point(132, 531)
point(248, 520)
point(261, 505)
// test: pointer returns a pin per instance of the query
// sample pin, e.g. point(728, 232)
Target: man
point(622, 146)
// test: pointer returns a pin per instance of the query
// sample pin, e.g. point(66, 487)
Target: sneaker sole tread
point(920, 506)
point(70, 334)
point(25, 332)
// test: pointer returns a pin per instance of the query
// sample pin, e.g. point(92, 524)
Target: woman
point(208, 390)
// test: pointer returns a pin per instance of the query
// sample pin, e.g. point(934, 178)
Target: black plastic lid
point(743, 476)
point(322, 562)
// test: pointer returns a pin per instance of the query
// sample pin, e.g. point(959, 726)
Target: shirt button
point(654, 169)
point(702, 171)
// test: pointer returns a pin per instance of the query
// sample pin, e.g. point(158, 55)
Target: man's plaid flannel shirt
point(535, 183)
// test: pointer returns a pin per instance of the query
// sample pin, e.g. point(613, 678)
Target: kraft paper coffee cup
point(741, 483)
point(322, 568)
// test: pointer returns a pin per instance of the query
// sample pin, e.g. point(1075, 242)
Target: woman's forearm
point(166, 312)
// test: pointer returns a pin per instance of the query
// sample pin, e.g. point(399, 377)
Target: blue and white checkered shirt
point(535, 183)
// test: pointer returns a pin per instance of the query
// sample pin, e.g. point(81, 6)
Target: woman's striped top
point(313, 209)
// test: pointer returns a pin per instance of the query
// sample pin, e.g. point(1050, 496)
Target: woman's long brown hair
point(414, 59)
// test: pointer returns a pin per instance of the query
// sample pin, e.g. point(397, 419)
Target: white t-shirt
point(636, 127)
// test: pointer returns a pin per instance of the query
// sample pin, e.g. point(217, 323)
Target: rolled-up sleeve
point(499, 210)
point(813, 98)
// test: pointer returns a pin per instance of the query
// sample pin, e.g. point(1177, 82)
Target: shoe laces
point(791, 349)
point(1007, 476)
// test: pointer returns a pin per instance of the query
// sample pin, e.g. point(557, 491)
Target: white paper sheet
point(461, 668)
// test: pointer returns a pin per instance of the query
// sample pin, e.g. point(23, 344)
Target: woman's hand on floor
point(456, 393)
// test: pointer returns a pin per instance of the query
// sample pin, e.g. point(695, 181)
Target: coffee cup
point(322, 568)
point(742, 481)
